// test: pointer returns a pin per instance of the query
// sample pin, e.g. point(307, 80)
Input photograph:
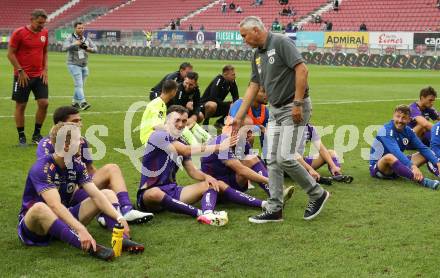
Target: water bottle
point(117, 236)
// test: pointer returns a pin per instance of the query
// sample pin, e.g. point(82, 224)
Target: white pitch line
point(315, 103)
point(109, 96)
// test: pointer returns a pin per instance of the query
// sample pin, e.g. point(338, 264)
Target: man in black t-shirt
point(177, 76)
point(215, 94)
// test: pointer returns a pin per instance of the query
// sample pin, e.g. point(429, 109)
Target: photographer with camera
point(78, 46)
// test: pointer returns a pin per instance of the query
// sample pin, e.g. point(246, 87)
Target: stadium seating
point(14, 14)
point(82, 8)
point(390, 15)
point(214, 19)
point(146, 14)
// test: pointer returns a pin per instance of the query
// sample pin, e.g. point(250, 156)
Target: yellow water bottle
point(117, 236)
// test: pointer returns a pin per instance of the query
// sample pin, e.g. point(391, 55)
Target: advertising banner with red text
point(397, 40)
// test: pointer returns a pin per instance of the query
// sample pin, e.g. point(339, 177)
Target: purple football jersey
point(427, 113)
point(46, 174)
point(160, 165)
point(45, 147)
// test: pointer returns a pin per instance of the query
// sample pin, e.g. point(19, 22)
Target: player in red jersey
point(27, 53)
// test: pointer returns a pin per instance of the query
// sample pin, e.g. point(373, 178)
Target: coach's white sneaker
point(138, 217)
point(215, 218)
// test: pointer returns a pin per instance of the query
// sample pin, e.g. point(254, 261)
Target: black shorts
point(35, 84)
point(222, 108)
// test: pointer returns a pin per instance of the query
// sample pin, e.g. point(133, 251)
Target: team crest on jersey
point(43, 39)
point(271, 60)
point(405, 141)
point(161, 114)
point(70, 187)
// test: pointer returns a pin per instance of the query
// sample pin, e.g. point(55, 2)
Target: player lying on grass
point(155, 112)
point(387, 160)
point(324, 156)
point(237, 170)
point(47, 211)
point(164, 154)
point(107, 177)
point(422, 111)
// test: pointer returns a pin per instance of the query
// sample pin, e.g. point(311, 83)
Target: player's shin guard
point(401, 170)
point(189, 137)
point(124, 202)
point(61, 231)
point(209, 200)
point(261, 169)
point(178, 206)
point(201, 134)
point(238, 197)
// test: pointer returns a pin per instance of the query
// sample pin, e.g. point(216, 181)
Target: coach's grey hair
point(38, 13)
point(251, 22)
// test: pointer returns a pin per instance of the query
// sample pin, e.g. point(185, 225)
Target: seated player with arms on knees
point(387, 160)
point(47, 211)
point(188, 95)
point(156, 111)
point(177, 76)
point(421, 112)
point(435, 147)
point(107, 177)
point(163, 155)
point(238, 170)
point(258, 113)
point(324, 156)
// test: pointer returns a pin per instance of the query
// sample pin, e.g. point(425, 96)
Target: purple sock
point(110, 222)
point(238, 197)
point(61, 231)
point(336, 161)
point(124, 202)
point(178, 206)
point(262, 170)
point(209, 200)
point(433, 169)
point(401, 170)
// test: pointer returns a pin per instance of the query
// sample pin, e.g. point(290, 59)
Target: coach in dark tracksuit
point(177, 76)
point(215, 94)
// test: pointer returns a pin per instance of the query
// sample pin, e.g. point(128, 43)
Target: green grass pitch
point(369, 228)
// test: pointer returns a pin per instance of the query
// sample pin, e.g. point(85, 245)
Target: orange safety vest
point(260, 119)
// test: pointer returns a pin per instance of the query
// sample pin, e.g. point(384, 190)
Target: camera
point(83, 45)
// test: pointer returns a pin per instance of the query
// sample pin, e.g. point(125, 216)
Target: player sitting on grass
point(324, 156)
point(107, 177)
point(155, 112)
point(164, 154)
point(421, 112)
point(387, 160)
point(47, 211)
point(237, 170)
point(258, 113)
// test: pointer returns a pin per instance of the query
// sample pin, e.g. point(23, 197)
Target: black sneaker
point(84, 106)
point(102, 253)
point(266, 216)
point(36, 138)
point(132, 246)
point(315, 207)
point(325, 180)
point(76, 105)
point(22, 141)
point(343, 178)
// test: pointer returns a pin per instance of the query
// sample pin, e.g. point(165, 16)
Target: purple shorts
point(375, 173)
point(308, 160)
point(231, 180)
point(173, 190)
point(32, 239)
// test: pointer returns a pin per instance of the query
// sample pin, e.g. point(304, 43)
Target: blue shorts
point(376, 173)
point(173, 190)
point(32, 239)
